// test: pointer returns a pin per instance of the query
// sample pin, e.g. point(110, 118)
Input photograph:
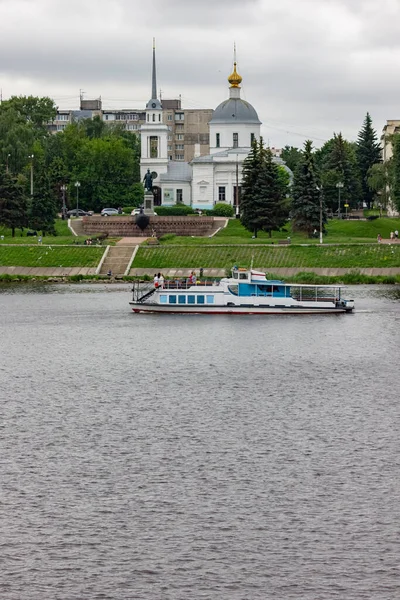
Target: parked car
point(109, 212)
point(136, 211)
point(79, 212)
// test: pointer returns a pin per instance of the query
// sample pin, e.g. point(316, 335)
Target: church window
point(154, 117)
point(252, 138)
point(235, 140)
point(159, 117)
point(153, 146)
point(179, 196)
point(217, 140)
point(148, 117)
point(221, 194)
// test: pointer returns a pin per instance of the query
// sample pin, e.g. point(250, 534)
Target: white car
point(109, 212)
point(136, 211)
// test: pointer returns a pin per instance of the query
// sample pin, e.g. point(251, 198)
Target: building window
point(179, 196)
point(159, 117)
point(154, 117)
point(169, 148)
point(179, 116)
point(60, 127)
point(153, 146)
point(169, 138)
point(221, 194)
point(62, 117)
point(179, 157)
point(148, 117)
point(179, 136)
point(217, 140)
point(169, 118)
point(179, 146)
point(106, 117)
point(235, 140)
point(252, 138)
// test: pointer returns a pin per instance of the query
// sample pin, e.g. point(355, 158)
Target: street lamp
point(31, 156)
point(64, 208)
point(339, 186)
point(319, 188)
point(77, 185)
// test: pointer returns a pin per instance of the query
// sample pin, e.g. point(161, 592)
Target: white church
point(208, 179)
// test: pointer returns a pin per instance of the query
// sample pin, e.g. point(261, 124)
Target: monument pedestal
point(148, 203)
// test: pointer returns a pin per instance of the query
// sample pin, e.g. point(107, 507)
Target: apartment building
point(391, 128)
point(187, 127)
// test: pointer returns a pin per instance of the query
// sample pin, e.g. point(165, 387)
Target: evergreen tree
point(42, 208)
point(306, 194)
point(263, 193)
point(395, 199)
point(339, 166)
point(13, 203)
point(368, 153)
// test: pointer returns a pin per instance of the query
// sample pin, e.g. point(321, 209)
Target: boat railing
point(185, 284)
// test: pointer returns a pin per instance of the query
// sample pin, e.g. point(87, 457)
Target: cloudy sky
point(309, 67)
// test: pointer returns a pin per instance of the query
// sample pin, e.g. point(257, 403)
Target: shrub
point(222, 210)
point(127, 209)
point(167, 237)
point(372, 217)
point(179, 210)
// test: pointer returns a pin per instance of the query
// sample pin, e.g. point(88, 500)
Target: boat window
point(235, 274)
point(191, 299)
point(163, 299)
point(210, 299)
point(200, 299)
point(234, 289)
point(242, 275)
point(172, 299)
point(181, 299)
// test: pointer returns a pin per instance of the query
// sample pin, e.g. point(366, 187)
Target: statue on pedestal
point(148, 181)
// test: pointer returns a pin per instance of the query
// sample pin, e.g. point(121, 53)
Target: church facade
point(207, 179)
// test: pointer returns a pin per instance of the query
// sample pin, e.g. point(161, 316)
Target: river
point(190, 457)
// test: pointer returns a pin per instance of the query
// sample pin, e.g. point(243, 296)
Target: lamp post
point(339, 186)
point(31, 156)
point(7, 157)
point(64, 208)
point(319, 188)
point(237, 186)
point(77, 185)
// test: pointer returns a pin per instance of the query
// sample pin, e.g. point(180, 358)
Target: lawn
point(50, 256)
point(268, 257)
point(337, 232)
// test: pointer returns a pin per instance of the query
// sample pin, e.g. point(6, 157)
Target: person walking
point(379, 238)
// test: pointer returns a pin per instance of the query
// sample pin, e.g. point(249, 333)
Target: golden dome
point(234, 78)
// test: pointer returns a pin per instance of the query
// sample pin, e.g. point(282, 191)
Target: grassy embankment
point(55, 251)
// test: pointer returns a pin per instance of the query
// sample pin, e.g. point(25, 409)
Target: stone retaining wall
point(126, 226)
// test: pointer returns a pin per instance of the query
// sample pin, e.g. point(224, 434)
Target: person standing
point(396, 234)
point(155, 280)
point(379, 238)
point(160, 277)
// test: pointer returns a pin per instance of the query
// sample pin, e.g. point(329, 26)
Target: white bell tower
point(154, 134)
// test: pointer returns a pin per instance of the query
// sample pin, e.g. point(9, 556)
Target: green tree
point(380, 179)
point(42, 207)
point(13, 203)
point(291, 156)
point(34, 110)
point(306, 194)
point(338, 165)
point(368, 152)
point(396, 172)
point(263, 194)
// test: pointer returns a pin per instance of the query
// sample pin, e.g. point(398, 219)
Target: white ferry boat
point(245, 292)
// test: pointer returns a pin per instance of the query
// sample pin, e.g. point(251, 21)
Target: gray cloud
point(309, 67)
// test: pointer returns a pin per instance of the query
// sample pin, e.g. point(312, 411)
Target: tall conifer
point(368, 153)
point(307, 194)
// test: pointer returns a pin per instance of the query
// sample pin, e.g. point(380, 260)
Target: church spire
point(234, 78)
point(154, 103)
point(154, 73)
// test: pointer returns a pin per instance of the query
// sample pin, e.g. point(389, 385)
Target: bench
point(284, 242)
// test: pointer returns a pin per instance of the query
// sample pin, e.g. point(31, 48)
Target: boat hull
point(234, 310)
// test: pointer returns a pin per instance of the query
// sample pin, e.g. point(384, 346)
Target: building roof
point(209, 158)
point(235, 110)
point(177, 171)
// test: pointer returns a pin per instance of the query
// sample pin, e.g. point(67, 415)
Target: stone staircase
point(117, 260)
